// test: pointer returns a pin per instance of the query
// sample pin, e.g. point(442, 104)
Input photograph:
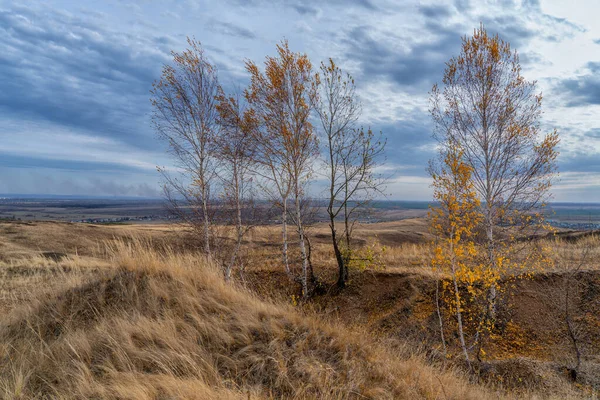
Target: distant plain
point(128, 210)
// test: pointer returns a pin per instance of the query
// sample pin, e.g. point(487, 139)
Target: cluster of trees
point(491, 180)
point(267, 137)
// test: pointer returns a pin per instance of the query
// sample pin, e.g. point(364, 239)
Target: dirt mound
point(174, 329)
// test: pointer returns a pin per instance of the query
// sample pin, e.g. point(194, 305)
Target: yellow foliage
point(454, 221)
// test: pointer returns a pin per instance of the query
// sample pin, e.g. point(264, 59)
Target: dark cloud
point(308, 6)
point(417, 67)
point(306, 9)
point(416, 64)
point(24, 161)
point(369, 5)
point(437, 11)
point(580, 162)
point(583, 89)
point(510, 28)
point(532, 57)
point(61, 182)
point(84, 76)
point(516, 30)
point(462, 6)
point(409, 143)
point(515, 25)
point(576, 152)
point(594, 133)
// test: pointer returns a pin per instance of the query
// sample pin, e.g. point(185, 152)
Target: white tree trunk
point(239, 229)
point(305, 288)
point(461, 333)
point(286, 262)
point(492, 260)
point(206, 221)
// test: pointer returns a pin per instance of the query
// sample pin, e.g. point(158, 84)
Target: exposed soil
point(528, 346)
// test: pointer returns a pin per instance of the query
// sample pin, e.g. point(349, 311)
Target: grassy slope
point(396, 302)
point(167, 326)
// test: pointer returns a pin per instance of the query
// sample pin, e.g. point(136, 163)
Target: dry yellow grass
point(22, 278)
point(166, 325)
point(133, 322)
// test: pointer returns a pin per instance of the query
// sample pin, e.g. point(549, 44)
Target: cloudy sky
point(75, 78)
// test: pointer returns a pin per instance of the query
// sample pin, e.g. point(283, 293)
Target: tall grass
point(162, 325)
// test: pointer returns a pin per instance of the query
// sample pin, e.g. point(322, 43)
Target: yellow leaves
point(369, 257)
point(458, 213)
point(494, 50)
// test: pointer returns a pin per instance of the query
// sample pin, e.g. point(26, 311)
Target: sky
point(75, 79)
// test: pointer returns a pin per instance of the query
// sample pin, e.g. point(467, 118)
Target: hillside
point(158, 327)
point(131, 311)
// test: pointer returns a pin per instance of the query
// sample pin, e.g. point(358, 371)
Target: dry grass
point(22, 278)
point(584, 249)
point(166, 325)
point(137, 323)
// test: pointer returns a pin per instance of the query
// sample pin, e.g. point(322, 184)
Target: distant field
point(153, 210)
point(575, 215)
point(136, 211)
point(86, 210)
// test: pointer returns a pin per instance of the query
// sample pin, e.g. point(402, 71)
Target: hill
point(88, 312)
point(167, 326)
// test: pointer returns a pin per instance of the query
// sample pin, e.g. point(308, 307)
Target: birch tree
point(282, 97)
point(454, 223)
point(351, 155)
point(236, 151)
point(185, 116)
point(492, 113)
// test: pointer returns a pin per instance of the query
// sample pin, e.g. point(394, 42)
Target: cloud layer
point(74, 92)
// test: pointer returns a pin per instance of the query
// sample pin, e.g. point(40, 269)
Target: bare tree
point(236, 151)
point(493, 115)
point(351, 156)
point(282, 98)
point(572, 261)
point(185, 116)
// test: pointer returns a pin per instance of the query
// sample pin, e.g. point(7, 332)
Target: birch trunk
point(206, 221)
point(461, 333)
point(286, 262)
point(238, 225)
point(305, 270)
